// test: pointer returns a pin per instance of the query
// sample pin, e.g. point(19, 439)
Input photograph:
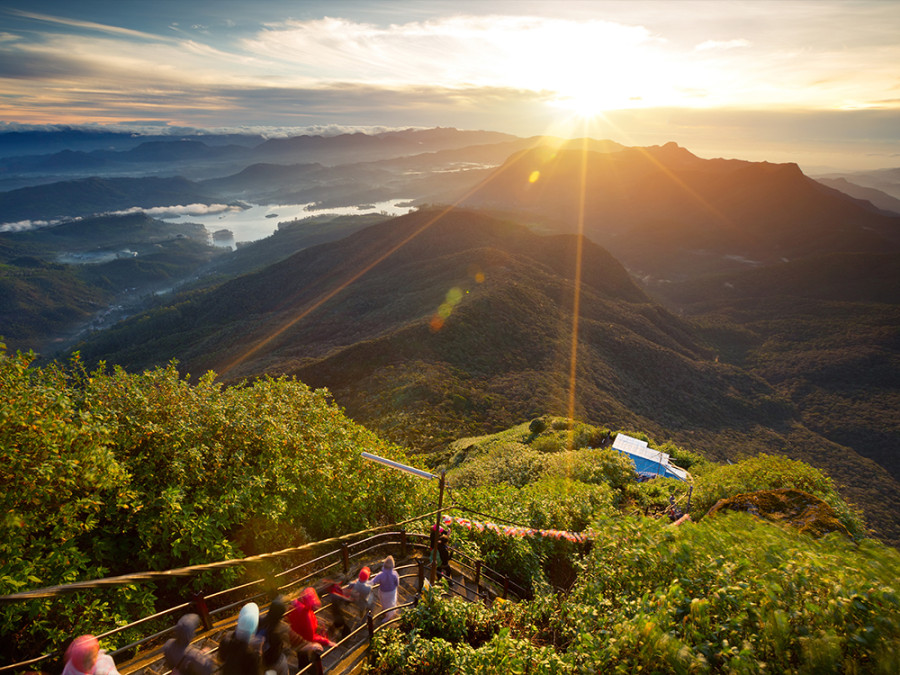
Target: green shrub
point(548, 444)
point(512, 463)
point(686, 459)
point(508, 654)
point(770, 472)
point(538, 425)
point(729, 595)
point(592, 466)
point(394, 653)
point(565, 504)
point(652, 496)
point(561, 423)
point(451, 618)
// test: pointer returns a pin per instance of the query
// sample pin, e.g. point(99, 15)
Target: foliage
point(511, 463)
point(732, 594)
point(548, 444)
point(686, 459)
point(592, 466)
point(566, 503)
point(652, 496)
point(451, 618)
point(735, 595)
point(537, 425)
point(767, 472)
point(59, 473)
point(397, 654)
point(118, 472)
point(449, 635)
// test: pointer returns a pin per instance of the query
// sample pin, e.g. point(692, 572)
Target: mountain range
point(733, 307)
point(452, 322)
point(667, 214)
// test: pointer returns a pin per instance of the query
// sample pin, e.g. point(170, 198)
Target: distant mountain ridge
point(878, 198)
point(666, 213)
point(336, 149)
point(91, 196)
point(780, 333)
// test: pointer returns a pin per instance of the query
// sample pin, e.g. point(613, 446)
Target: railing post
point(370, 624)
point(403, 551)
point(477, 575)
point(421, 564)
point(345, 557)
point(437, 528)
point(505, 587)
point(317, 663)
point(199, 601)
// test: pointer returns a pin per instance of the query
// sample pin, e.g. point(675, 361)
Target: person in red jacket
point(303, 618)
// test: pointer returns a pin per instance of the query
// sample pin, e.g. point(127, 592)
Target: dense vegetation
point(728, 594)
point(108, 473)
point(824, 333)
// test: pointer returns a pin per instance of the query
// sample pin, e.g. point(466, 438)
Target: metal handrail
point(391, 538)
point(151, 576)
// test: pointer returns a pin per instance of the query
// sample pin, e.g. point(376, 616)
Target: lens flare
point(451, 300)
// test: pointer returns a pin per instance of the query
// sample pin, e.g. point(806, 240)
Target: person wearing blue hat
point(238, 651)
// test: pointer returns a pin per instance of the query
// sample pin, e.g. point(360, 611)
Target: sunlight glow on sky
point(516, 67)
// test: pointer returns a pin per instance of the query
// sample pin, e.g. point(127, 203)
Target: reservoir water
point(261, 220)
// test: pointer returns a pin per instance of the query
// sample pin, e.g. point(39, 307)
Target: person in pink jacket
point(84, 657)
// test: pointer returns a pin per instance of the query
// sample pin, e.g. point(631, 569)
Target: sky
point(811, 81)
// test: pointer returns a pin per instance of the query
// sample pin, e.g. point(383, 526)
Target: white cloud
point(25, 225)
point(722, 44)
point(180, 210)
point(154, 212)
point(91, 25)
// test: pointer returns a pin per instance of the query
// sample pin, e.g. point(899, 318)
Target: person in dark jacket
point(275, 637)
point(361, 591)
point(238, 651)
point(339, 601)
point(180, 656)
point(444, 554)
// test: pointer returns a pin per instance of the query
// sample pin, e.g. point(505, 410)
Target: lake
point(261, 220)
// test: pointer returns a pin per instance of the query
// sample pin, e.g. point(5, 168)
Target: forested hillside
point(443, 323)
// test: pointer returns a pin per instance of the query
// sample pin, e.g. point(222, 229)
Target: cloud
point(90, 25)
point(153, 212)
point(493, 50)
point(182, 210)
point(721, 44)
point(26, 225)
